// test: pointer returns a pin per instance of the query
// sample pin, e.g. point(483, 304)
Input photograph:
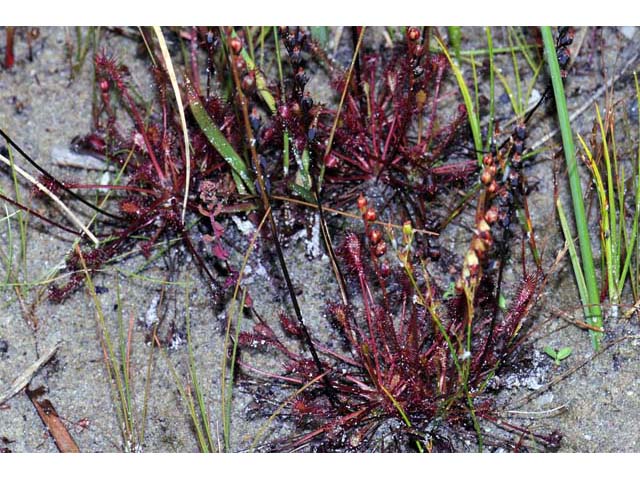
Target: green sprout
point(558, 355)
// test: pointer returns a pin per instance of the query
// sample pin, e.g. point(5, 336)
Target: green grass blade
point(114, 368)
point(573, 255)
point(229, 392)
point(203, 410)
point(455, 38)
point(630, 246)
point(188, 400)
point(261, 82)
point(574, 183)
point(613, 238)
point(516, 71)
point(22, 216)
point(492, 88)
point(9, 259)
point(523, 47)
point(603, 200)
point(474, 121)
point(476, 85)
point(285, 137)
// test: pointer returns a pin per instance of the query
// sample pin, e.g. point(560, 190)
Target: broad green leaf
point(321, 35)
point(303, 192)
point(219, 142)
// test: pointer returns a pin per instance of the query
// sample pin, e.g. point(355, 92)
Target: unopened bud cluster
point(378, 245)
point(482, 239)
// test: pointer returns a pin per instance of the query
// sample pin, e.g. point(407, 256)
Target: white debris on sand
point(245, 226)
point(312, 245)
point(64, 157)
point(151, 315)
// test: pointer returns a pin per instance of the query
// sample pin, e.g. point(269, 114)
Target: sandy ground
point(597, 408)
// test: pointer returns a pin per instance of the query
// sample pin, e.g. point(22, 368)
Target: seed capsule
point(249, 83)
point(483, 228)
point(236, 45)
point(491, 215)
point(407, 229)
point(375, 236)
point(413, 33)
point(370, 215)
point(381, 249)
point(479, 247)
point(471, 265)
point(385, 269)
point(362, 203)
point(239, 64)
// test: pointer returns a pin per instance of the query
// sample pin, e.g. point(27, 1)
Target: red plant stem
point(366, 299)
point(355, 35)
point(266, 203)
point(143, 132)
point(195, 72)
point(311, 435)
point(374, 111)
point(291, 380)
point(336, 355)
point(434, 104)
point(9, 58)
point(40, 216)
point(386, 143)
point(165, 152)
point(356, 162)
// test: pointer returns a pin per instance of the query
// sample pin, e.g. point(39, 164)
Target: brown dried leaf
point(55, 425)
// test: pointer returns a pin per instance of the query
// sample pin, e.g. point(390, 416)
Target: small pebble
point(628, 32)
point(4, 346)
